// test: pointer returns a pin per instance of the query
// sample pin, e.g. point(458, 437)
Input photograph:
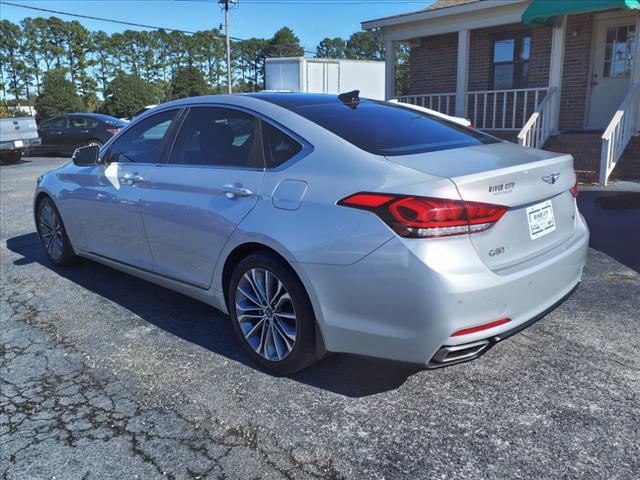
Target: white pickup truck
point(17, 136)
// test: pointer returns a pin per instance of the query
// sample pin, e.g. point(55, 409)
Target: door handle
point(236, 190)
point(130, 178)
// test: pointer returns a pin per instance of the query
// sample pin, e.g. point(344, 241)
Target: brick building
point(556, 74)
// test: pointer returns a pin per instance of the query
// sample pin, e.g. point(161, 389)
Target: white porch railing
point(538, 128)
point(441, 102)
point(502, 109)
point(624, 124)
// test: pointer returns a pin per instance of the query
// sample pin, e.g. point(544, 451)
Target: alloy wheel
point(266, 315)
point(51, 231)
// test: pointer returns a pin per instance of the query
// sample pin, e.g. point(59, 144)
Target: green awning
point(544, 11)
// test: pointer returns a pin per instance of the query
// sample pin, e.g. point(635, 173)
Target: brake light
point(421, 217)
point(574, 189)
point(113, 131)
point(479, 328)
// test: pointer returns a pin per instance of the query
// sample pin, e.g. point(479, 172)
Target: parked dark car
point(64, 133)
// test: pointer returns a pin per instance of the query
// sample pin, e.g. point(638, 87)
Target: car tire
point(53, 234)
point(10, 158)
point(264, 326)
point(94, 141)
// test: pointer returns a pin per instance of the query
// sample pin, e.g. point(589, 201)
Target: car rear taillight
point(479, 328)
point(422, 217)
point(113, 131)
point(574, 189)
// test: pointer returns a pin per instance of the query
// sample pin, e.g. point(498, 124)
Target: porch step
point(585, 148)
point(628, 167)
point(508, 135)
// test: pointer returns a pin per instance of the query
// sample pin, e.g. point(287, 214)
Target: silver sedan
point(325, 223)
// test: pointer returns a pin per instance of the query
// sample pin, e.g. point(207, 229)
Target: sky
point(311, 20)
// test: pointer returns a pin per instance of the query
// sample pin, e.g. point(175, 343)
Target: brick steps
point(628, 167)
point(586, 149)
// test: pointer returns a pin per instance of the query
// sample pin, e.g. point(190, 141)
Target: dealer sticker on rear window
point(541, 221)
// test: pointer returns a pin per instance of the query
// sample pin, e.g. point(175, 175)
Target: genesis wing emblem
point(551, 179)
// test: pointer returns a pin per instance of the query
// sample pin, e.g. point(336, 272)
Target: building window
point(511, 62)
point(618, 54)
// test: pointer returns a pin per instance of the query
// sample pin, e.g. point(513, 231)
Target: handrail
point(624, 124)
point(502, 109)
point(510, 90)
point(487, 109)
point(537, 129)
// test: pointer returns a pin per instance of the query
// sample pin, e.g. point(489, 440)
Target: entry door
point(612, 63)
point(197, 200)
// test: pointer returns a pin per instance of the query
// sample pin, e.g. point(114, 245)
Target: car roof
point(97, 116)
point(293, 100)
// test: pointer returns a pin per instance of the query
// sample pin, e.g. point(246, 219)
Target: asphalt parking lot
point(107, 376)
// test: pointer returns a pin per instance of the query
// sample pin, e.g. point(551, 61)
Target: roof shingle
point(448, 3)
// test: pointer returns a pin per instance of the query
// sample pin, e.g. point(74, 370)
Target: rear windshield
point(390, 130)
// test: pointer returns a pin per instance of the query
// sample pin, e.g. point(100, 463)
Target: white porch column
point(555, 71)
point(462, 78)
point(389, 69)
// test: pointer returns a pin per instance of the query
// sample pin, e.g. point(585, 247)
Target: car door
point(110, 203)
point(197, 199)
point(51, 133)
point(77, 133)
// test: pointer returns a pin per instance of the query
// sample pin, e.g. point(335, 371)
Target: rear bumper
point(455, 354)
point(404, 301)
point(26, 145)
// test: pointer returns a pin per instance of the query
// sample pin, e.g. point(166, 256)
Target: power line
point(102, 19)
point(323, 2)
point(119, 22)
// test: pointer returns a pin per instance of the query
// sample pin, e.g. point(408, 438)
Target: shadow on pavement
point(207, 327)
point(4, 163)
point(614, 222)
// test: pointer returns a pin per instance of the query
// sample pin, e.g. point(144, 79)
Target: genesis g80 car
point(325, 223)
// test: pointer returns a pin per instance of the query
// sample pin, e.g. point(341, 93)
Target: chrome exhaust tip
point(450, 354)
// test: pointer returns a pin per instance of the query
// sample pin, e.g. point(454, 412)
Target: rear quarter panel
point(319, 231)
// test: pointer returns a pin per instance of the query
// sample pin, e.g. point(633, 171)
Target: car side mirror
point(86, 156)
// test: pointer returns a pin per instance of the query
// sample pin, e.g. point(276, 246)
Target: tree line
point(61, 64)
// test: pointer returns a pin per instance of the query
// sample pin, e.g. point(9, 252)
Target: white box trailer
point(324, 75)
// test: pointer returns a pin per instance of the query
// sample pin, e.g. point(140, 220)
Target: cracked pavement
point(106, 376)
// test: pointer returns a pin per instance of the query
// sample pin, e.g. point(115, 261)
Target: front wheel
point(271, 314)
point(53, 234)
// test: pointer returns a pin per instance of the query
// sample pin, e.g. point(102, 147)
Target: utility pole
point(228, 41)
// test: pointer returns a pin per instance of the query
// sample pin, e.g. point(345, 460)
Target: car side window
point(212, 136)
point(141, 143)
point(79, 122)
point(278, 146)
point(59, 122)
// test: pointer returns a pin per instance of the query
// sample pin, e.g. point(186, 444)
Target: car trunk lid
point(534, 184)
